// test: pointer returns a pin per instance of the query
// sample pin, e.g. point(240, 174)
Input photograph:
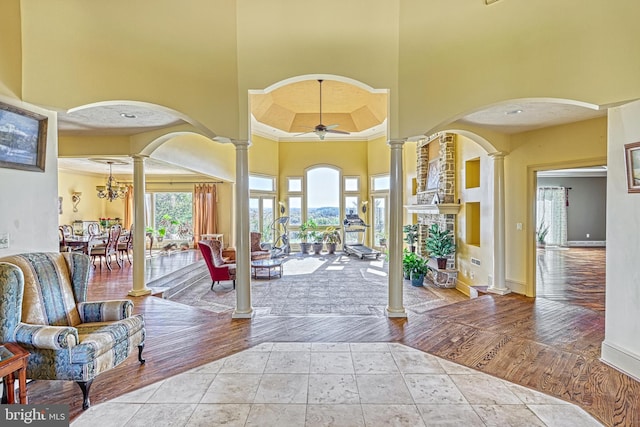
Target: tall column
point(395, 307)
point(499, 258)
point(243, 258)
point(139, 261)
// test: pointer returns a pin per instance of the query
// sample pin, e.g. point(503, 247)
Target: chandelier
point(112, 190)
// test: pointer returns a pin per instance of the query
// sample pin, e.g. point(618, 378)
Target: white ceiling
point(512, 117)
point(122, 167)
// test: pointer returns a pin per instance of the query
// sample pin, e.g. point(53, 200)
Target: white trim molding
point(621, 359)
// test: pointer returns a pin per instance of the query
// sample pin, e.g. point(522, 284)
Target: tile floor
point(334, 384)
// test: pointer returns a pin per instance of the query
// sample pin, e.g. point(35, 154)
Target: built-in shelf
point(440, 208)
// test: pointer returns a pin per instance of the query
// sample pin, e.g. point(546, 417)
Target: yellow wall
point(573, 145)
point(350, 157)
point(181, 57)
point(90, 207)
point(468, 273)
point(358, 40)
point(460, 60)
point(10, 49)
point(263, 156)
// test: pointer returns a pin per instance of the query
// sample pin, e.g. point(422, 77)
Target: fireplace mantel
point(435, 209)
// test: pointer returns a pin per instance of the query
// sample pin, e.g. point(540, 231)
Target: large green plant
point(439, 243)
point(413, 263)
point(308, 229)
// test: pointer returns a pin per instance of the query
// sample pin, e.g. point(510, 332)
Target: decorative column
point(395, 307)
point(139, 239)
point(243, 258)
point(499, 265)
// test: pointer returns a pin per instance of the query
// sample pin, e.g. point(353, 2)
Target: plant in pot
point(541, 235)
point(418, 271)
point(331, 237)
point(317, 238)
point(305, 230)
point(439, 245)
point(411, 235)
point(408, 260)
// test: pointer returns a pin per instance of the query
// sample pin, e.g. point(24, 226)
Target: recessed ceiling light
point(128, 115)
point(512, 112)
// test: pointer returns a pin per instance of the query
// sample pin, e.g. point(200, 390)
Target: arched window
point(323, 195)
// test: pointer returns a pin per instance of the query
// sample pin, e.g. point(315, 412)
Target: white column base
point(499, 291)
point(242, 315)
point(139, 292)
point(395, 313)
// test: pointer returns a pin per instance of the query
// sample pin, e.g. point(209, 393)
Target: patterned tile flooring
point(316, 285)
point(334, 384)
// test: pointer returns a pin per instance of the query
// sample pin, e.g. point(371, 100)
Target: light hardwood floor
point(546, 345)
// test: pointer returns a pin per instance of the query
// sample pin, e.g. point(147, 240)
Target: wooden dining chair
point(125, 246)
point(106, 250)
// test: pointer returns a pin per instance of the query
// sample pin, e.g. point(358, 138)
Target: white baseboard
point(583, 243)
point(516, 287)
point(466, 289)
point(620, 359)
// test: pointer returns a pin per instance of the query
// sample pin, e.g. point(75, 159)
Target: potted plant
point(439, 245)
point(304, 233)
point(418, 271)
point(408, 260)
point(411, 235)
point(541, 235)
point(331, 237)
point(317, 238)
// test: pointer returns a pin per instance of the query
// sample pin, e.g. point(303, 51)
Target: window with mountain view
point(323, 196)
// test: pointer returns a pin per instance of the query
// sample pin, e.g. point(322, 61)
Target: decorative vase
point(331, 248)
point(304, 247)
point(417, 279)
point(442, 263)
point(317, 248)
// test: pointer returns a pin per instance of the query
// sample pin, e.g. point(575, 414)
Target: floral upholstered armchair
point(44, 309)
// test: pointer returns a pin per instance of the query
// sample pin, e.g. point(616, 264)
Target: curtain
point(552, 214)
point(128, 208)
point(205, 218)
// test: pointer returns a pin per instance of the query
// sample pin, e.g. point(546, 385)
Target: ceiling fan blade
point(304, 133)
point(331, 126)
point(337, 131)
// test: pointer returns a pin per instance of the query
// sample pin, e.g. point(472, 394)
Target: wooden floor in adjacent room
point(551, 346)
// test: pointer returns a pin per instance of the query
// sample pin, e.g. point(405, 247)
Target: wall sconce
point(364, 206)
point(282, 208)
point(75, 198)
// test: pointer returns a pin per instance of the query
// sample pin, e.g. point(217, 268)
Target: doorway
point(571, 236)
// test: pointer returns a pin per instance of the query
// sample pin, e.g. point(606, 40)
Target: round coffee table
point(273, 267)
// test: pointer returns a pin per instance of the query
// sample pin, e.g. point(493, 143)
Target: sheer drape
point(128, 208)
point(552, 213)
point(205, 218)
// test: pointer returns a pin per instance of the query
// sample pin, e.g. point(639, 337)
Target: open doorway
point(571, 236)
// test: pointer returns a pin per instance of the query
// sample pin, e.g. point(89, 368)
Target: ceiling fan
point(320, 129)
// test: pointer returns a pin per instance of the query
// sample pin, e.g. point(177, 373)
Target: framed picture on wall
point(632, 161)
point(433, 175)
point(23, 138)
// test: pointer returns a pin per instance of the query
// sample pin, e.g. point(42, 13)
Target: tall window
point(262, 205)
point(323, 196)
point(171, 214)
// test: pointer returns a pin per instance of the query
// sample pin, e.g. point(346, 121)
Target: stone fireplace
point(436, 186)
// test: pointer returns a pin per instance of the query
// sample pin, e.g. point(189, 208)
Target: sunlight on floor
point(297, 266)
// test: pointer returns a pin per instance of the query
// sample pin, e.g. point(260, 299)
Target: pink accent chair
point(212, 253)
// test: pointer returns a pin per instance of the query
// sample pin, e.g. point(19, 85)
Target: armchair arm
point(105, 311)
point(45, 336)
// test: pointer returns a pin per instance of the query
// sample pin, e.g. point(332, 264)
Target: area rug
point(315, 285)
